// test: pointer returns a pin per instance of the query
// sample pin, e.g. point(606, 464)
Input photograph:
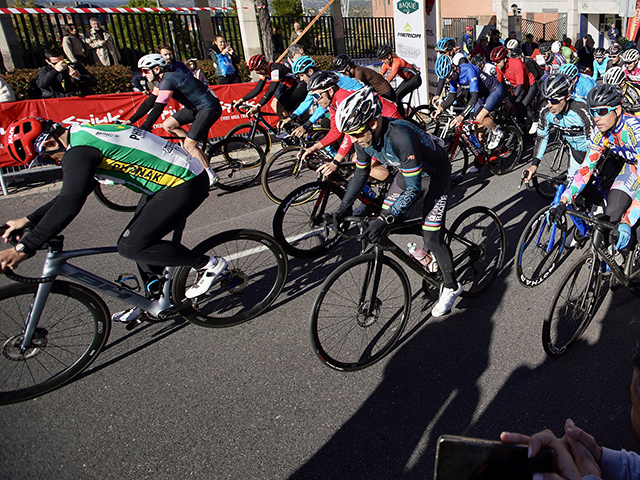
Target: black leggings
point(405, 88)
point(158, 215)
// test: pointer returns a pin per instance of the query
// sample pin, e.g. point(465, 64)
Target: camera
point(71, 64)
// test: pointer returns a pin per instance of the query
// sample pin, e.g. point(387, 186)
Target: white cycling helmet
point(511, 44)
point(152, 60)
point(630, 55)
point(556, 46)
point(355, 111)
point(614, 76)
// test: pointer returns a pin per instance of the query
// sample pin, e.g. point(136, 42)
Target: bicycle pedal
point(133, 324)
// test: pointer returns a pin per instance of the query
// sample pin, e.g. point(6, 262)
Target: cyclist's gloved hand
point(338, 216)
point(374, 230)
point(620, 236)
point(555, 214)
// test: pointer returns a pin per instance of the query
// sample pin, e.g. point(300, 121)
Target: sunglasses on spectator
point(554, 101)
point(601, 111)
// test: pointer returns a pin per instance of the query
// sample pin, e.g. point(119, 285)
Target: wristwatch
point(388, 219)
point(22, 248)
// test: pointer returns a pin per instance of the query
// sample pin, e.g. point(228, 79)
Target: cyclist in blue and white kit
point(304, 67)
point(486, 92)
point(420, 188)
point(571, 117)
point(448, 47)
point(582, 84)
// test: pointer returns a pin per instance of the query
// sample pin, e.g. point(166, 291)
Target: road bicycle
point(51, 329)
point(257, 129)
point(238, 162)
point(299, 222)
point(363, 306)
point(577, 297)
point(542, 247)
point(552, 170)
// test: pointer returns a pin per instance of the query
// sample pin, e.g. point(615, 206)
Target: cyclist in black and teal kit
point(420, 188)
point(485, 95)
point(174, 183)
point(569, 116)
point(201, 106)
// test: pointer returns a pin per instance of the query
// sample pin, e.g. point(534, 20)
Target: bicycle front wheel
point(71, 332)
point(298, 223)
point(360, 312)
point(538, 250)
point(552, 170)
point(573, 306)
point(117, 197)
point(478, 246)
point(507, 155)
point(237, 162)
point(260, 137)
point(459, 159)
point(257, 269)
point(284, 172)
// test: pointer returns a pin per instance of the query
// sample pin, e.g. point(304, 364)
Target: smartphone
point(463, 458)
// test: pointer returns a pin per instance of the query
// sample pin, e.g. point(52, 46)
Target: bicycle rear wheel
point(117, 197)
point(573, 306)
point(283, 173)
point(237, 161)
point(261, 136)
point(298, 223)
point(478, 245)
point(539, 248)
point(350, 327)
point(508, 152)
point(72, 330)
point(257, 269)
point(552, 170)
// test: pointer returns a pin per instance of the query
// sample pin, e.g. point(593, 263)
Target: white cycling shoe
point(445, 302)
point(496, 138)
point(127, 316)
point(208, 275)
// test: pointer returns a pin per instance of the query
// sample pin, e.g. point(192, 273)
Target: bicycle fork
point(369, 304)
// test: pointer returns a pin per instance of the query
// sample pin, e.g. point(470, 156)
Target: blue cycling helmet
point(444, 65)
point(445, 45)
point(569, 69)
point(302, 64)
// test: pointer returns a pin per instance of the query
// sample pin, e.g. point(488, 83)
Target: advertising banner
point(96, 109)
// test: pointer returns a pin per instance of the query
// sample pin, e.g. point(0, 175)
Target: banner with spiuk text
point(97, 109)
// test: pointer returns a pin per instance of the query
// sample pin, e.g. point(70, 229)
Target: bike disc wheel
point(508, 152)
point(298, 223)
point(573, 307)
point(552, 170)
point(261, 137)
point(350, 327)
point(117, 197)
point(72, 330)
point(478, 245)
point(538, 251)
point(256, 272)
point(237, 162)
point(283, 173)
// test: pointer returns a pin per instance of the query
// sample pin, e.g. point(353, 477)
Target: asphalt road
point(173, 401)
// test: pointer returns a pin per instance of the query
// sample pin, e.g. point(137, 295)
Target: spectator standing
point(482, 48)
point(494, 41)
point(102, 45)
point(304, 41)
point(529, 46)
point(174, 65)
point(225, 61)
point(6, 94)
point(196, 72)
point(585, 55)
point(612, 34)
point(61, 78)
point(278, 40)
point(73, 46)
point(467, 41)
point(568, 52)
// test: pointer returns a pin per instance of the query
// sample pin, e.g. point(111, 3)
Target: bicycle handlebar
point(591, 220)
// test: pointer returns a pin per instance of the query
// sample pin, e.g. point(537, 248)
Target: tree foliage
point(287, 8)
point(143, 4)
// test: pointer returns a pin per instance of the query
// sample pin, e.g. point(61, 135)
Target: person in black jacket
point(62, 78)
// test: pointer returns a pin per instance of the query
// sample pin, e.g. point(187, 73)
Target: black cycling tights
point(405, 88)
point(158, 215)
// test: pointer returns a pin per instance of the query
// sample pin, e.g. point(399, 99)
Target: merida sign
point(407, 6)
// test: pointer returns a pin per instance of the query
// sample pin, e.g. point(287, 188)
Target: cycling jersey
point(486, 91)
point(634, 75)
point(282, 80)
point(490, 69)
point(631, 100)
point(624, 142)
point(344, 83)
point(584, 84)
point(553, 66)
point(400, 67)
point(459, 58)
point(369, 76)
point(515, 74)
point(575, 124)
point(599, 68)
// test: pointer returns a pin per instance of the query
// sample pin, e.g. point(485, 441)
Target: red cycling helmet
point(256, 62)
point(468, 28)
point(498, 54)
point(25, 138)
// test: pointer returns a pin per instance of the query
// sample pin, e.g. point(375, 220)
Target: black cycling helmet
point(322, 80)
point(545, 48)
point(515, 52)
point(556, 86)
point(341, 62)
point(478, 60)
point(605, 95)
point(599, 52)
point(615, 49)
point(384, 51)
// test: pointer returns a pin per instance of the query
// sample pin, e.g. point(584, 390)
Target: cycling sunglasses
point(554, 101)
point(316, 96)
point(629, 63)
point(358, 131)
point(145, 70)
point(601, 111)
